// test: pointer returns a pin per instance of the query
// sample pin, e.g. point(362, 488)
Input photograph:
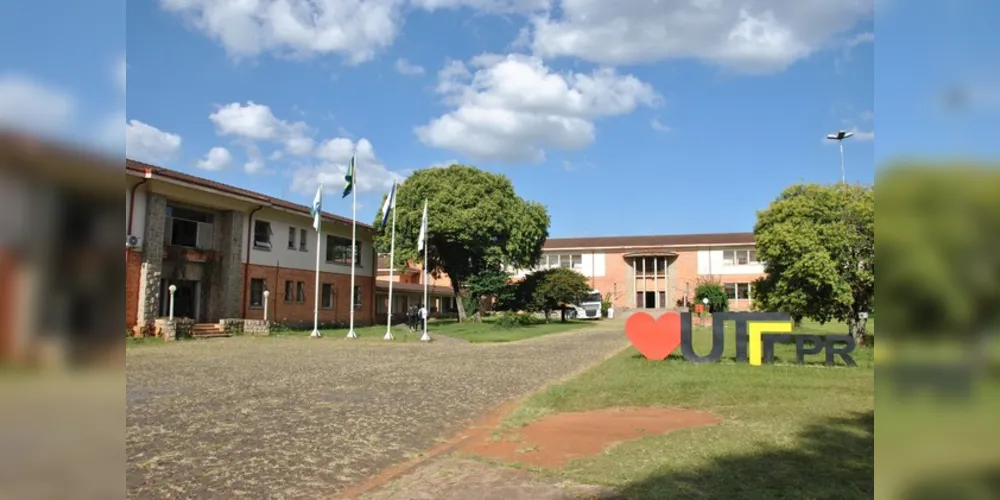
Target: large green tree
point(476, 222)
point(818, 247)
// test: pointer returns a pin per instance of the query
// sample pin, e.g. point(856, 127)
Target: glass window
point(728, 257)
point(730, 290)
point(743, 291)
point(262, 234)
point(303, 239)
point(357, 297)
point(291, 238)
point(288, 291)
point(327, 296)
point(257, 287)
point(300, 292)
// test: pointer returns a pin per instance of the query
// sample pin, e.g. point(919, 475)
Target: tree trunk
point(859, 330)
point(796, 322)
point(459, 303)
point(562, 318)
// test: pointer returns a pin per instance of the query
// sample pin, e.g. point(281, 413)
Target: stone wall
point(235, 326)
point(173, 329)
point(151, 268)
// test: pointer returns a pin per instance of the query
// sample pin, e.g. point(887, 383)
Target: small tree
point(553, 289)
point(710, 289)
point(489, 282)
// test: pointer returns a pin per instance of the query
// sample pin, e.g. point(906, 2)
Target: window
point(574, 261)
point(737, 291)
point(188, 228)
point(338, 251)
point(291, 238)
point(303, 239)
point(327, 296)
point(651, 266)
point(357, 297)
point(289, 296)
point(381, 304)
point(257, 287)
point(300, 292)
point(262, 234)
point(739, 257)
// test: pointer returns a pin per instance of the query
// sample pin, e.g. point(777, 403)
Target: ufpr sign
point(756, 335)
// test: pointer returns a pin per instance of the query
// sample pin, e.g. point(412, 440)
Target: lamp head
point(172, 288)
point(704, 301)
point(266, 293)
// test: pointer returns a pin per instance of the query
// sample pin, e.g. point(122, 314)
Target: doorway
point(185, 299)
point(649, 301)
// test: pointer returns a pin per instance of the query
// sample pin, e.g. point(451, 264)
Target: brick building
point(222, 247)
point(657, 272)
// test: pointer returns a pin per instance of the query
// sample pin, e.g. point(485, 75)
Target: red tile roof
point(650, 242)
point(140, 167)
point(413, 287)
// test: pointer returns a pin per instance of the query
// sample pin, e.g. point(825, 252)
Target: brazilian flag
point(349, 178)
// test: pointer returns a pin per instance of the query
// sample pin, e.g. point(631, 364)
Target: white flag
point(389, 205)
point(317, 208)
point(422, 240)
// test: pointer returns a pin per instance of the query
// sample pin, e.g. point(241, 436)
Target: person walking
point(411, 318)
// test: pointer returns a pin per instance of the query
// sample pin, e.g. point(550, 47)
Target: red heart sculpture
point(655, 339)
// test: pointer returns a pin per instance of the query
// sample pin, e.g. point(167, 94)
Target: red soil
point(557, 439)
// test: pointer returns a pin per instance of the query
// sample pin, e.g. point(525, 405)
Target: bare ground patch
point(555, 440)
point(299, 417)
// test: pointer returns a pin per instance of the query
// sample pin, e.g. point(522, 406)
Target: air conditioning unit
point(132, 241)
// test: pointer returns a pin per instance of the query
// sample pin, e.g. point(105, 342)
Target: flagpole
point(427, 308)
point(392, 261)
point(351, 334)
point(319, 227)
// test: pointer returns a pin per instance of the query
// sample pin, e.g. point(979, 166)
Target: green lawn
point(788, 431)
point(485, 331)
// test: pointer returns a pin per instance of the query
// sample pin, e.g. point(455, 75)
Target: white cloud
point(405, 67)
point(217, 158)
point(149, 144)
point(334, 155)
point(862, 135)
point(514, 107)
point(255, 160)
point(748, 36)
point(31, 106)
point(493, 6)
point(659, 126)
point(256, 122)
point(298, 28)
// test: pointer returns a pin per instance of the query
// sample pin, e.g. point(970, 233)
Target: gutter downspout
point(246, 265)
point(131, 204)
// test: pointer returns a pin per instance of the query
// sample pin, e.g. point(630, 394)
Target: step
point(213, 335)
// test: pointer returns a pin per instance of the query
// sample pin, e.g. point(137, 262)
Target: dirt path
point(294, 417)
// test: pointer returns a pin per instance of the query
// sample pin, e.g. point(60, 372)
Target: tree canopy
point(548, 290)
point(818, 247)
point(475, 221)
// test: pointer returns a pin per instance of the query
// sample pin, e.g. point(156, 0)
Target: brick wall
point(133, 268)
point(294, 313)
point(8, 292)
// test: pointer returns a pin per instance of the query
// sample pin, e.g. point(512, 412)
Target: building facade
point(222, 247)
point(659, 272)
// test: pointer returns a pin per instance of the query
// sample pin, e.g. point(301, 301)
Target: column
point(229, 273)
point(656, 281)
point(151, 270)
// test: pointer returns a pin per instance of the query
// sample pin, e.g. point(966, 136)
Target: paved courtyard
point(298, 417)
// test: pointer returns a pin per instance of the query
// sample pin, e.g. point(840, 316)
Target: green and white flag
point(349, 178)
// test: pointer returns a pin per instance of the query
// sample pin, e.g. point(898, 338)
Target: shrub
point(718, 301)
point(514, 320)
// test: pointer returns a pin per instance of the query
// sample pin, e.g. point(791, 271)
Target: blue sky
point(622, 121)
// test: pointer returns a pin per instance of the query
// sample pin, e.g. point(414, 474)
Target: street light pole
point(839, 137)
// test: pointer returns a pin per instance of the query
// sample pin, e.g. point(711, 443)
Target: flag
point(389, 204)
point(349, 178)
point(422, 240)
point(317, 208)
